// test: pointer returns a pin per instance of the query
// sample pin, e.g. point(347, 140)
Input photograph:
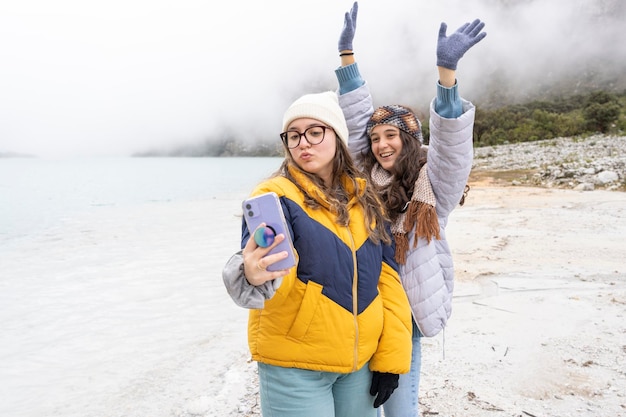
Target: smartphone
point(266, 208)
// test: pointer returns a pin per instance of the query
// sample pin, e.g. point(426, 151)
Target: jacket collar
point(320, 196)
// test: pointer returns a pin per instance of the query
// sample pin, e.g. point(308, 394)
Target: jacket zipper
point(354, 301)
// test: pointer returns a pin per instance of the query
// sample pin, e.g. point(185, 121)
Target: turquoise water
point(36, 194)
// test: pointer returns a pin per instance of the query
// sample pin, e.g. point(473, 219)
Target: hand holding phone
point(266, 208)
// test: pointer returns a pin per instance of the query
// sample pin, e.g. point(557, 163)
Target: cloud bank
point(126, 76)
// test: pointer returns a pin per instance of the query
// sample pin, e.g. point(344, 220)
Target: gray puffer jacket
point(428, 275)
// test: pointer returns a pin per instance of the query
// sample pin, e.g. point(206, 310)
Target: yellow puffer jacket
point(343, 306)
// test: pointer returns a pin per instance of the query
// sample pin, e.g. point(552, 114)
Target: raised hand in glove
point(349, 27)
point(383, 384)
point(451, 49)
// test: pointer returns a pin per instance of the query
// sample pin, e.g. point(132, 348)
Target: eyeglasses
point(314, 135)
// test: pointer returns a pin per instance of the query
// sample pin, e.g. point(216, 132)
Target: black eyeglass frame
point(285, 139)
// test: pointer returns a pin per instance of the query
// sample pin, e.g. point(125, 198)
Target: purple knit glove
point(349, 26)
point(451, 49)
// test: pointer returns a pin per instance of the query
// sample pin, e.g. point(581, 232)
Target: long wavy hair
point(405, 172)
point(337, 195)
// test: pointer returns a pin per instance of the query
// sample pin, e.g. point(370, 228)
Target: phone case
point(266, 208)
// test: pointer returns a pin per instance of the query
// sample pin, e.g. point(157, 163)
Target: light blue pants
point(404, 402)
point(293, 392)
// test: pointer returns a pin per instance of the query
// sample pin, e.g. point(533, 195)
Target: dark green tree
point(602, 109)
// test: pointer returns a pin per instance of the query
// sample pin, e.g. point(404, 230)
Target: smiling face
point(386, 145)
point(315, 159)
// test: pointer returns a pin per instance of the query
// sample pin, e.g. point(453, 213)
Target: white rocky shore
point(584, 164)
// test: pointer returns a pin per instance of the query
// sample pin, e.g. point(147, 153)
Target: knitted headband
point(397, 116)
point(321, 106)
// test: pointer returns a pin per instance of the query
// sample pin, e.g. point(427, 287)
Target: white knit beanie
point(321, 106)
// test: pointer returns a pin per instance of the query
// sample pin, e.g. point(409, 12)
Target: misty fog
point(124, 76)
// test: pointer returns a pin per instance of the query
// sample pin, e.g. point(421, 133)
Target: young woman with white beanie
point(332, 334)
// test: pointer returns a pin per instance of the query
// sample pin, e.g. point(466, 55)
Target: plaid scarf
point(419, 214)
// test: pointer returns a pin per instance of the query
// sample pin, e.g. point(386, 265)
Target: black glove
point(383, 384)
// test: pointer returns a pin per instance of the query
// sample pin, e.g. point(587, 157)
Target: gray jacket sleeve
point(450, 156)
point(357, 108)
point(240, 290)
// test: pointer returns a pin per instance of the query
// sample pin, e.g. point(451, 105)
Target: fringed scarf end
point(402, 247)
point(428, 222)
point(423, 218)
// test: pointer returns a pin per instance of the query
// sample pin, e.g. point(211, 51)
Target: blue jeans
point(403, 402)
point(293, 392)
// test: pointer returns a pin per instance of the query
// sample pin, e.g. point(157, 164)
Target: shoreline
point(537, 327)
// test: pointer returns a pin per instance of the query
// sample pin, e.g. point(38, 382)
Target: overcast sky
point(108, 78)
